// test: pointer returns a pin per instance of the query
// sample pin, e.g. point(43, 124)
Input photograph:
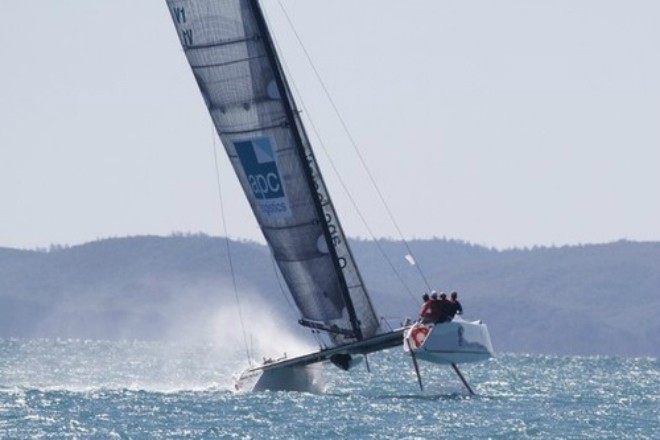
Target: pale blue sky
point(503, 123)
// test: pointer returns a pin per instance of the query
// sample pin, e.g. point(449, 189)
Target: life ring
point(418, 334)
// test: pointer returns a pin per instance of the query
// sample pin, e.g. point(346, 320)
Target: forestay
point(236, 67)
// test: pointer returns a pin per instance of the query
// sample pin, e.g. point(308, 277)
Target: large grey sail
point(236, 68)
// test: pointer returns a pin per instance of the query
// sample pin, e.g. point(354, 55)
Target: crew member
point(456, 307)
point(426, 312)
point(444, 308)
point(435, 307)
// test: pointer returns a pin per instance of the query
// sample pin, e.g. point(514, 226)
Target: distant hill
point(589, 299)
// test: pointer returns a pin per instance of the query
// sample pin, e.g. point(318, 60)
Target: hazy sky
point(503, 123)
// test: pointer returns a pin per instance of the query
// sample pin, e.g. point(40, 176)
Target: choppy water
point(94, 389)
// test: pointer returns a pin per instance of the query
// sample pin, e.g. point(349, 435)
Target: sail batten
point(220, 43)
point(250, 130)
point(240, 78)
point(225, 64)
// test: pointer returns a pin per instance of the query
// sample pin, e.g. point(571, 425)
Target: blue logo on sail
point(258, 160)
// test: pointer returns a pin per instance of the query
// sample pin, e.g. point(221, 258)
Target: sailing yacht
point(234, 62)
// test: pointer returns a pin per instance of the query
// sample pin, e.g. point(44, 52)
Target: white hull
point(454, 342)
point(300, 379)
point(299, 373)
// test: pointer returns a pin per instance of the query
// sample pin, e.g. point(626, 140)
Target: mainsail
point(234, 61)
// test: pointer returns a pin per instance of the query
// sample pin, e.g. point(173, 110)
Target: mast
point(292, 116)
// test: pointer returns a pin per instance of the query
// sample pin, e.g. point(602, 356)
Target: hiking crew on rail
point(436, 310)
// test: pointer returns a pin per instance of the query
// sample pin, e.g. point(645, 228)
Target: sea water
point(144, 390)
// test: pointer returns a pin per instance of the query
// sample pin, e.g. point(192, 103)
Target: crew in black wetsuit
point(456, 307)
point(444, 309)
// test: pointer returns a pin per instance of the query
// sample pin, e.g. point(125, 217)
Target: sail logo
point(263, 177)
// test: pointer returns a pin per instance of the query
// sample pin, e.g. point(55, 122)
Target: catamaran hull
point(301, 379)
point(454, 342)
point(299, 373)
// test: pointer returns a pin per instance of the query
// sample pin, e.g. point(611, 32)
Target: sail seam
point(295, 260)
point(186, 48)
point(297, 225)
point(228, 63)
point(252, 130)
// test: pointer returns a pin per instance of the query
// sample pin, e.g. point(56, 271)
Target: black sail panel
point(236, 68)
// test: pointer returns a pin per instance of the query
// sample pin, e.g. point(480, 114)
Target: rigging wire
point(352, 200)
point(315, 333)
point(228, 247)
point(355, 205)
point(341, 181)
point(362, 162)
